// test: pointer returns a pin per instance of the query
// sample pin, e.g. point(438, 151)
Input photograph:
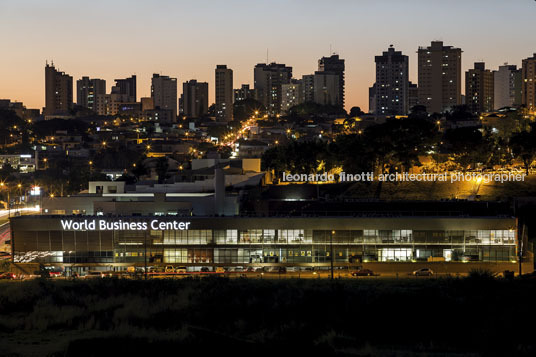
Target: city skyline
point(195, 56)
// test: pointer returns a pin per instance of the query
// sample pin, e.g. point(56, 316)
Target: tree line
point(399, 144)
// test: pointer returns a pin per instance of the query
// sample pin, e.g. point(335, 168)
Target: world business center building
point(97, 242)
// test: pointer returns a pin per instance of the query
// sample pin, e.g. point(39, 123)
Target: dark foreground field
point(223, 317)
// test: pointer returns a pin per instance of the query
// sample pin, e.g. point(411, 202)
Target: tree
point(116, 158)
point(211, 112)
point(459, 113)
point(306, 157)
point(397, 144)
point(523, 145)
point(356, 112)
point(312, 109)
point(127, 179)
point(244, 109)
point(6, 169)
point(352, 153)
point(468, 146)
point(49, 127)
point(10, 124)
point(139, 169)
point(418, 112)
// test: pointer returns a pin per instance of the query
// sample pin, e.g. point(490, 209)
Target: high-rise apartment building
point(127, 86)
point(391, 90)
point(308, 84)
point(110, 104)
point(268, 81)
point(194, 98)
point(528, 78)
point(243, 93)
point(440, 77)
point(224, 93)
point(292, 94)
point(479, 88)
point(327, 88)
point(372, 98)
point(58, 91)
point(164, 93)
point(147, 103)
point(334, 65)
point(413, 95)
point(507, 86)
point(87, 90)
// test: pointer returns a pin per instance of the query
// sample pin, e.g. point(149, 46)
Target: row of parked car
point(418, 272)
point(183, 270)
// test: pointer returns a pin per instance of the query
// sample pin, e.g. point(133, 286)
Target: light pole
point(145, 255)
point(331, 252)
point(20, 196)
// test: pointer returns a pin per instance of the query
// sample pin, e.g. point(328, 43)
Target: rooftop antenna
point(266, 56)
point(330, 50)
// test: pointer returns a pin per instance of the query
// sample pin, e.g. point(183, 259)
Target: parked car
point(282, 270)
point(423, 272)
point(307, 268)
point(220, 270)
point(169, 269)
point(99, 274)
point(363, 272)
point(8, 276)
point(181, 270)
point(204, 270)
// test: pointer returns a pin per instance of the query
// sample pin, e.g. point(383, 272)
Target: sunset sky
point(187, 39)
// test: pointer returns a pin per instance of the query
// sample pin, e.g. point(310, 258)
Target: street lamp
point(19, 186)
point(331, 252)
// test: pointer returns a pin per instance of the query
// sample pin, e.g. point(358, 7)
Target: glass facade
point(264, 245)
